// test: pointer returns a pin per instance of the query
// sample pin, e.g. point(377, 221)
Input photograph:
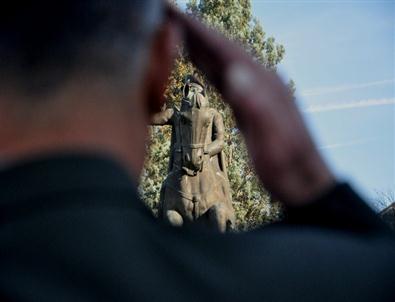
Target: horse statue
point(197, 186)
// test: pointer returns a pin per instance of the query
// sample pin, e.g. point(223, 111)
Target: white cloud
point(341, 88)
point(348, 105)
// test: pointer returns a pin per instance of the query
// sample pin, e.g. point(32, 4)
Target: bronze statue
point(197, 186)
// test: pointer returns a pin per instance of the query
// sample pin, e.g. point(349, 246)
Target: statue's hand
point(284, 155)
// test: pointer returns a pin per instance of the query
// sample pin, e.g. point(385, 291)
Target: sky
point(341, 56)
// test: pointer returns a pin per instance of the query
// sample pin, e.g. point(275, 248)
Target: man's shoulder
point(62, 181)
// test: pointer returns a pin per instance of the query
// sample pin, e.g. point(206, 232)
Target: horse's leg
point(174, 218)
point(218, 217)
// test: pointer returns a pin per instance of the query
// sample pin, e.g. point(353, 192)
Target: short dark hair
point(43, 41)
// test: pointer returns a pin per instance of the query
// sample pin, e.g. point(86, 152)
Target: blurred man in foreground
point(79, 81)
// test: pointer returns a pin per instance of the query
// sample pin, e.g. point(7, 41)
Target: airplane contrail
point(348, 105)
point(341, 88)
point(348, 144)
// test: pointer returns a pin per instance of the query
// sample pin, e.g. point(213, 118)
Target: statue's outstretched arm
point(217, 144)
point(162, 118)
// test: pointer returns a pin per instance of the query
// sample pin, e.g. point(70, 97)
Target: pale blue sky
point(341, 56)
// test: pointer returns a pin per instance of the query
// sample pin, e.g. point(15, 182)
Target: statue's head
point(194, 92)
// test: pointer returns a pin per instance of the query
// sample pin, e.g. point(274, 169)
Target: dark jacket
point(72, 228)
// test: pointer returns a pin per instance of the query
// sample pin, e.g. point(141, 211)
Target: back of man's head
point(81, 75)
point(44, 42)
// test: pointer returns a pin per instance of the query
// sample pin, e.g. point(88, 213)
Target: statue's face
point(193, 97)
point(191, 89)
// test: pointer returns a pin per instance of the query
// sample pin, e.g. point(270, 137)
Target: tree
point(253, 206)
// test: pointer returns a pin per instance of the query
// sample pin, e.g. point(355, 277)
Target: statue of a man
point(197, 187)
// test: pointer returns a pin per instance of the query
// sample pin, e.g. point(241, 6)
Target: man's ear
point(160, 63)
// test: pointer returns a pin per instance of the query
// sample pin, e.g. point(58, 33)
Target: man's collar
point(62, 173)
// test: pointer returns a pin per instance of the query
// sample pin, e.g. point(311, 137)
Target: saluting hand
point(284, 155)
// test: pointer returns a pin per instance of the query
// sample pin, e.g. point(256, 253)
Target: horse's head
point(195, 122)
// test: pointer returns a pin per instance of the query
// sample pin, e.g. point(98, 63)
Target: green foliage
point(233, 18)
point(156, 166)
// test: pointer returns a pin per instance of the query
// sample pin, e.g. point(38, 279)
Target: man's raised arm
point(283, 153)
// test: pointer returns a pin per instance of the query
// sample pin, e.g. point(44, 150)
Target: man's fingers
point(220, 59)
